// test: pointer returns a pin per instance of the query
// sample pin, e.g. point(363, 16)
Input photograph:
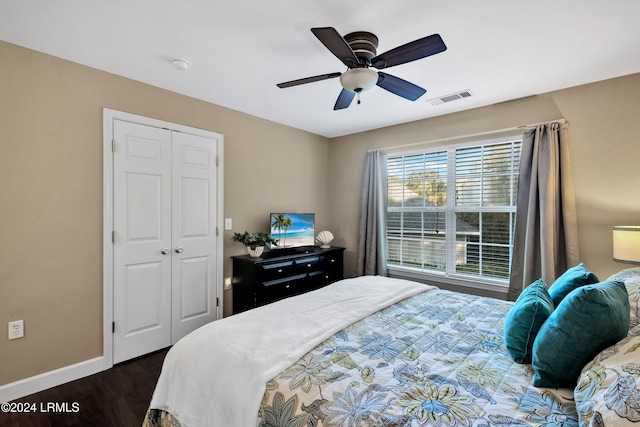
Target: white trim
point(220, 230)
point(108, 117)
point(475, 283)
point(50, 379)
point(107, 245)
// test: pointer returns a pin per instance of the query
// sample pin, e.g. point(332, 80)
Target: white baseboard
point(50, 379)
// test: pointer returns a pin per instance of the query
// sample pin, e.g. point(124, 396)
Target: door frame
point(109, 116)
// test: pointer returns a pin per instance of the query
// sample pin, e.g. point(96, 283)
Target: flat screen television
point(292, 229)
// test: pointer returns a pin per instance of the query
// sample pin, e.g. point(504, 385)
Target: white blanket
point(216, 375)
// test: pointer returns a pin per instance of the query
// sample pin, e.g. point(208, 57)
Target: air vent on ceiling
point(451, 97)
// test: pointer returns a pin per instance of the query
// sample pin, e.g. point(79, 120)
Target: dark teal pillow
point(571, 279)
point(524, 319)
point(588, 320)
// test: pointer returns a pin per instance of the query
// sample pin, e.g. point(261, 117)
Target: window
point(452, 210)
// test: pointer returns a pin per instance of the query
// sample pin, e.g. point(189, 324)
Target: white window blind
point(452, 211)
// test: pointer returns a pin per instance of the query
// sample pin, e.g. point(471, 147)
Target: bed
point(376, 351)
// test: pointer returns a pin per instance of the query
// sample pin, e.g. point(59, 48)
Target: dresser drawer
point(274, 290)
point(274, 271)
point(308, 264)
point(332, 261)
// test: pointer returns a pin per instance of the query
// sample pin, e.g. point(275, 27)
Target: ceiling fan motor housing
point(363, 44)
point(361, 78)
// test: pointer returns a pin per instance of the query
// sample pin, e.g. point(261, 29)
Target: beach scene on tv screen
point(293, 229)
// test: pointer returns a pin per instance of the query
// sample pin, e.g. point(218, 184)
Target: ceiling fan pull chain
point(358, 94)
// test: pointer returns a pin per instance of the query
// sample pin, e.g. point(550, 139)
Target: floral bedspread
point(436, 359)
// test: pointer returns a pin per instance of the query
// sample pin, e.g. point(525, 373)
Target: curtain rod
point(472, 135)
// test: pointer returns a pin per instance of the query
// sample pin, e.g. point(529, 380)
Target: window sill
point(458, 284)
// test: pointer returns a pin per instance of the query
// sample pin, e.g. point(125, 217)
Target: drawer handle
point(287, 286)
point(309, 265)
point(279, 270)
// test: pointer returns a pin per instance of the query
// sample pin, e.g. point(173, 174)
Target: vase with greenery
point(254, 242)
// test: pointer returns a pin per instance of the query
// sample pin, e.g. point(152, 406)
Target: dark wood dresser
point(276, 275)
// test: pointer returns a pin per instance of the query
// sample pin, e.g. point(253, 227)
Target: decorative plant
point(253, 240)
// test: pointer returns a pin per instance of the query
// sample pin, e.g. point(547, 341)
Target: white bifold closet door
point(164, 237)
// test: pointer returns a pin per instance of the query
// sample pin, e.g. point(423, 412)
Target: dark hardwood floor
point(118, 397)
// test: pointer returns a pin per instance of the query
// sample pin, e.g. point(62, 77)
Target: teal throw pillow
point(588, 320)
point(524, 319)
point(571, 279)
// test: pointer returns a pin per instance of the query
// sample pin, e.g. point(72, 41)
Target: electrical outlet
point(228, 224)
point(16, 329)
point(227, 283)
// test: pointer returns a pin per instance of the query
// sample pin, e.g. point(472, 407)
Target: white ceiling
point(240, 49)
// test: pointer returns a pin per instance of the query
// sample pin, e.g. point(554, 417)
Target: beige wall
point(604, 136)
point(51, 184)
point(51, 195)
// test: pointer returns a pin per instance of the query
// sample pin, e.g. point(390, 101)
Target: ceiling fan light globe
point(358, 79)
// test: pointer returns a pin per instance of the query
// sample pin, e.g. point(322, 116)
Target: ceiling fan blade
point(344, 99)
point(399, 86)
point(412, 51)
point(337, 45)
point(308, 80)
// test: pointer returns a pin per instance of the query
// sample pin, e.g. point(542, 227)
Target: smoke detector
point(180, 64)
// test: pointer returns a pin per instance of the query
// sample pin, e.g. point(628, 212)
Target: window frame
point(449, 275)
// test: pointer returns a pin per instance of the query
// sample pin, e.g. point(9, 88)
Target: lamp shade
point(626, 244)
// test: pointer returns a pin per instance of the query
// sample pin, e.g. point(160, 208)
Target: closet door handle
point(179, 250)
point(165, 251)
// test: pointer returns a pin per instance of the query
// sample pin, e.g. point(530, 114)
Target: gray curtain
point(372, 236)
point(546, 234)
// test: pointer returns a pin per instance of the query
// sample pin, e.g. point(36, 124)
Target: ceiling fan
point(357, 51)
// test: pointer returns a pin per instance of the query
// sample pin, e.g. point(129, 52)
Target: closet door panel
point(141, 284)
point(142, 230)
point(195, 207)
point(195, 287)
point(194, 218)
